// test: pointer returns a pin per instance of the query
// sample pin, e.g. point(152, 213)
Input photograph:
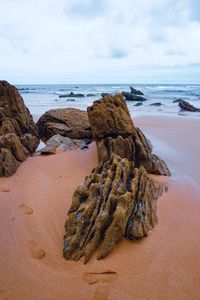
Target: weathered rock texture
point(18, 132)
point(184, 105)
point(118, 198)
point(68, 122)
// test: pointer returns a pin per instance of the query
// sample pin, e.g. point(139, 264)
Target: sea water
point(40, 98)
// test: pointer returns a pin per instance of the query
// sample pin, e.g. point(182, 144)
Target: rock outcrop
point(184, 105)
point(68, 122)
point(132, 97)
point(118, 198)
point(135, 92)
point(18, 132)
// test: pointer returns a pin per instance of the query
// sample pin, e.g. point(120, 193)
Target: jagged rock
point(132, 97)
point(138, 104)
point(135, 92)
point(18, 132)
point(73, 95)
point(156, 104)
point(68, 122)
point(118, 198)
point(187, 106)
point(8, 163)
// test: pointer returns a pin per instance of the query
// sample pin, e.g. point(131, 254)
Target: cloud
point(101, 40)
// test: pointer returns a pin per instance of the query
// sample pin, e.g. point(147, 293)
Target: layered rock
point(184, 105)
point(18, 132)
point(118, 198)
point(68, 122)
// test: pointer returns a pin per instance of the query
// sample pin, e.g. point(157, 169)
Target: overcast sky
point(100, 41)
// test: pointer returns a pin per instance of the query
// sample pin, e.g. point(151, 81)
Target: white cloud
point(99, 40)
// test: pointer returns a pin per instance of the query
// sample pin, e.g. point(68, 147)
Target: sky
point(100, 41)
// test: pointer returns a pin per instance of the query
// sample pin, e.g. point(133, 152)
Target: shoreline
point(164, 265)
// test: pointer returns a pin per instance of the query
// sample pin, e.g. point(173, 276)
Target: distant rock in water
point(90, 95)
point(132, 97)
point(118, 198)
point(138, 104)
point(72, 95)
point(136, 92)
point(18, 132)
point(156, 104)
point(68, 122)
point(177, 100)
point(184, 105)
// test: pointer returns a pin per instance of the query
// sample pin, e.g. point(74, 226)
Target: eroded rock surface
point(118, 199)
point(68, 122)
point(18, 132)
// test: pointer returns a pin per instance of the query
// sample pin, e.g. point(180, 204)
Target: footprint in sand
point(35, 251)
point(101, 294)
point(105, 277)
point(27, 210)
point(4, 190)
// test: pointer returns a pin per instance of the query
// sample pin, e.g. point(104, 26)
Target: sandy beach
point(34, 204)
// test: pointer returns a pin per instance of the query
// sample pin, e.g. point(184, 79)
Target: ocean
point(40, 98)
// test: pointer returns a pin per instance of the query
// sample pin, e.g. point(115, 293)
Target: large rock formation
point(118, 198)
point(18, 133)
point(68, 122)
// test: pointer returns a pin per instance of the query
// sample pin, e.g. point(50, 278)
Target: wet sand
point(33, 207)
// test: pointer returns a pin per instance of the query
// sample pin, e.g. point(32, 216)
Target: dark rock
point(71, 100)
point(118, 198)
point(188, 107)
point(132, 97)
point(138, 104)
point(177, 100)
point(68, 122)
point(136, 92)
point(73, 95)
point(90, 95)
point(156, 104)
point(18, 132)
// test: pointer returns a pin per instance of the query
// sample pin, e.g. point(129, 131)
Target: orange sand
point(33, 207)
